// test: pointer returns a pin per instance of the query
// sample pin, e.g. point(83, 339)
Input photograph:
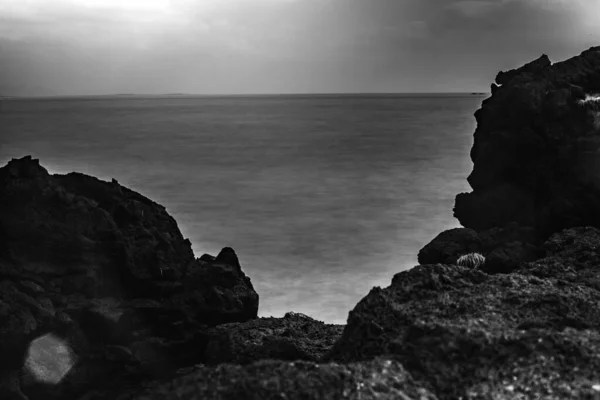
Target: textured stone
point(380, 379)
point(449, 245)
point(535, 151)
point(294, 337)
point(98, 265)
point(508, 257)
point(462, 332)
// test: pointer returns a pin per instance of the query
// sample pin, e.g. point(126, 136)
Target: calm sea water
point(322, 197)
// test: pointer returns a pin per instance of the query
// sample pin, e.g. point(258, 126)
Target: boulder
point(449, 245)
point(504, 248)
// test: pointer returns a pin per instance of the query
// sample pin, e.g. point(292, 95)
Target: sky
point(87, 47)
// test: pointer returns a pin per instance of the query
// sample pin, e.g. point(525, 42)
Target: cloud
point(475, 8)
point(262, 45)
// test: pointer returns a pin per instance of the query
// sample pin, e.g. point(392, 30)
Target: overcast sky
point(62, 47)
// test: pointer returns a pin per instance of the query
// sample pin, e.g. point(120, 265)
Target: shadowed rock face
point(294, 337)
point(107, 272)
point(218, 291)
point(462, 332)
point(449, 245)
point(379, 379)
point(504, 249)
point(76, 234)
point(535, 149)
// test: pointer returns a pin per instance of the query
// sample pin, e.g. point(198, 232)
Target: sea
point(323, 197)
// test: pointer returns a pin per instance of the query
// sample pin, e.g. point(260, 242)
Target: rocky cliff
point(535, 152)
point(98, 285)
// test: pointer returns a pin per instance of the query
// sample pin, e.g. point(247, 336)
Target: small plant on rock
point(592, 103)
point(471, 260)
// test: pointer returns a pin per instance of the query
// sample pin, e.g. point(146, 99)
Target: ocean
point(321, 196)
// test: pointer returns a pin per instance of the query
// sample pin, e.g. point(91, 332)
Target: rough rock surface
point(218, 290)
point(107, 271)
point(504, 249)
point(535, 149)
point(379, 379)
point(449, 245)
point(462, 332)
point(509, 256)
point(293, 337)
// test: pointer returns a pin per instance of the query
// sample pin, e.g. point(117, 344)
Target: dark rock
point(227, 256)
point(494, 88)
point(534, 151)
point(494, 237)
point(379, 379)
point(207, 258)
point(55, 236)
point(104, 321)
point(449, 245)
point(581, 244)
point(293, 337)
point(219, 293)
point(461, 331)
point(530, 68)
point(153, 240)
point(106, 272)
point(508, 256)
point(503, 248)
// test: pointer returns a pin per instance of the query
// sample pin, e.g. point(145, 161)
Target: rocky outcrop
point(504, 249)
point(535, 149)
point(293, 337)
point(218, 290)
point(106, 273)
point(379, 379)
point(449, 245)
point(462, 332)
point(533, 67)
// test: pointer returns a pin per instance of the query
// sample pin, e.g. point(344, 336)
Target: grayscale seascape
point(322, 197)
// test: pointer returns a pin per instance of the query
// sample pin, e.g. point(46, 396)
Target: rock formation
point(107, 271)
point(293, 337)
point(462, 332)
point(535, 150)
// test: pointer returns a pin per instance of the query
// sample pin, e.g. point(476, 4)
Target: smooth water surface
point(322, 197)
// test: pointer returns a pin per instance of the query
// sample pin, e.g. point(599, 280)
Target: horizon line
point(175, 94)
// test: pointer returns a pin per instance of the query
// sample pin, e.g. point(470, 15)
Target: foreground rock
point(535, 150)
point(293, 337)
point(461, 332)
point(102, 272)
point(505, 248)
point(379, 379)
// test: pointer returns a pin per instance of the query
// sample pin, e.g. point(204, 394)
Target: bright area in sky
point(59, 47)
